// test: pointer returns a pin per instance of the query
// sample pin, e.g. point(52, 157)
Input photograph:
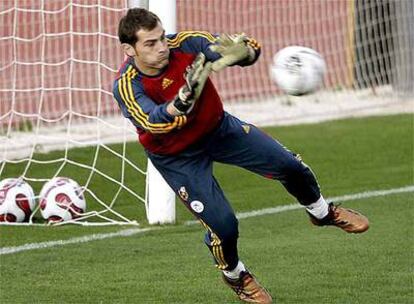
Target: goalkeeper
point(163, 87)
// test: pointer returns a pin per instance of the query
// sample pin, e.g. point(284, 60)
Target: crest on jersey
point(182, 192)
point(166, 82)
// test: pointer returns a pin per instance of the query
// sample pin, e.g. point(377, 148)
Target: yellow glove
point(195, 77)
point(232, 48)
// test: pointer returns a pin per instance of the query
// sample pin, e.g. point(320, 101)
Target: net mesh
point(59, 58)
point(365, 43)
point(56, 80)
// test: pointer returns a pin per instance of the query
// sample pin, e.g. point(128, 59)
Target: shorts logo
point(246, 128)
point(182, 192)
point(197, 206)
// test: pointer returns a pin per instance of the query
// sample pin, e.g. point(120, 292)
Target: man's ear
point(128, 50)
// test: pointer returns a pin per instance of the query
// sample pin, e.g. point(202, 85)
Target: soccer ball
point(298, 70)
point(61, 199)
point(17, 200)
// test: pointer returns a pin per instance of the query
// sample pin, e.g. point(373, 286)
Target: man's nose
point(162, 47)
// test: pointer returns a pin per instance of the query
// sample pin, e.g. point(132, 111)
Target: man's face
point(151, 50)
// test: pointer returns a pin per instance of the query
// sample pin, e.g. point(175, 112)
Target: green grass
point(297, 262)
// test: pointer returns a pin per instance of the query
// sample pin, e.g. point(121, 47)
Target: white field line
point(242, 215)
point(76, 240)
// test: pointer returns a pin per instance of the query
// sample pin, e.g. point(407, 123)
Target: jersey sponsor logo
point(182, 192)
point(166, 82)
point(197, 206)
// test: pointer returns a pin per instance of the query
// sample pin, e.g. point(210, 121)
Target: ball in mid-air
point(298, 70)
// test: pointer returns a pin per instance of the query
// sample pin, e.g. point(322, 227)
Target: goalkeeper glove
point(233, 49)
point(195, 78)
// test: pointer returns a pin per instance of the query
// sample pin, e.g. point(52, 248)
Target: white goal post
point(58, 60)
point(160, 198)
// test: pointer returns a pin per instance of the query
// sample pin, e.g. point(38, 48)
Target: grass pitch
point(297, 262)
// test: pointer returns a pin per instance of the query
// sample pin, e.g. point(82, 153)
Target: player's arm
point(142, 111)
point(194, 42)
point(146, 114)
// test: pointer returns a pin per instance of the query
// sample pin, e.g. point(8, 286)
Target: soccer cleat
point(344, 218)
point(248, 289)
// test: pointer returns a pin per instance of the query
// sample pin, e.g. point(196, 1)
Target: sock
point(235, 273)
point(319, 209)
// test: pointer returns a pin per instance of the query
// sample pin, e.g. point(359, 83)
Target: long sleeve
point(141, 110)
point(200, 41)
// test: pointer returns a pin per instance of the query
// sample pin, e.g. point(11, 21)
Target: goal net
point(59, 59)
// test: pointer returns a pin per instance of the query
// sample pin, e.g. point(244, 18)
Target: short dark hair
point(133, 21)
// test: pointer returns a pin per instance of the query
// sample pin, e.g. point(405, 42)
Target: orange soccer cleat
point(248, 289)
point(344, 218)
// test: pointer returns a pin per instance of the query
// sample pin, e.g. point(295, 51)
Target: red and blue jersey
point(143, 99)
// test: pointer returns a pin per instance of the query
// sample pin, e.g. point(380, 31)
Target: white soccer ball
point(61, 199)
point(298, 70)
point(17, 200)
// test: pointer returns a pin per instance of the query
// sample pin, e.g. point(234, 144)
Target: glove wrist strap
point(181, 106)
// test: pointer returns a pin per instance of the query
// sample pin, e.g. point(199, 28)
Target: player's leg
point(247, 146)
point(190, 176)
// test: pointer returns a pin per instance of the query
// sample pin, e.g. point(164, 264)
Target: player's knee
point(295, 168)
point(299, 174)
point(229, 229)
point(301, 182)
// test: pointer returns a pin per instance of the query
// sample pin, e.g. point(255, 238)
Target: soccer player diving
point(163, 88)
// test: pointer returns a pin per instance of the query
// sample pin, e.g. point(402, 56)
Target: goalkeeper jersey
point(143, 99)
